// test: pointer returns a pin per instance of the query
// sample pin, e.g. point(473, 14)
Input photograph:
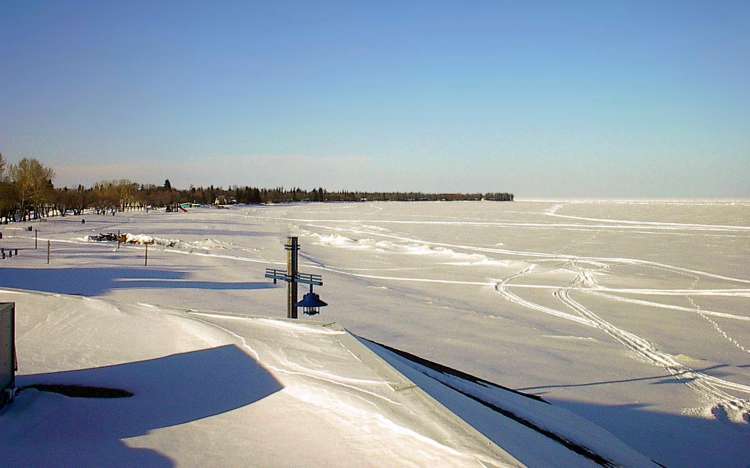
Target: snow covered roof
point(218, 390)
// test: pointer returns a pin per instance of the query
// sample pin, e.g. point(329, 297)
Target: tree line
point(27, 191)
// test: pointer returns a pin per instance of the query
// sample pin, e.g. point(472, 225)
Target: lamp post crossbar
point(282, 275)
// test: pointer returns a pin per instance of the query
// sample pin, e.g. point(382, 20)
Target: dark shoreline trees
point(26, 191)
point(255, 195)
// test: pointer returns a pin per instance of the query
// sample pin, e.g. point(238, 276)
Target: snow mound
point(410, 248)
point(143, 239)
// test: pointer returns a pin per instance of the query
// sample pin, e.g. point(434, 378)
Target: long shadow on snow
point(671, 439)
point(658, 379)
point(96, 281)
point(168, 391)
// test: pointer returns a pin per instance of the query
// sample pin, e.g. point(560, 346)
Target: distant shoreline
point(632, 200)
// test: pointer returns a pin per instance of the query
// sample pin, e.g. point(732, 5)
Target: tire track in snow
point(702, 313)
point(711, 388)
point(660, 305)
point(502, 289)
point(713, 323)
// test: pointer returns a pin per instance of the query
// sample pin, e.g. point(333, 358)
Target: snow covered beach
point(632, 315)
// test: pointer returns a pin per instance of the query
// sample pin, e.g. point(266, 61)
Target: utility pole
point(311, 303)
point(292, 269)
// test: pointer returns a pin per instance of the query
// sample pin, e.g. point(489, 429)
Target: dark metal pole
point(145, 259)
point(8, 351)
point(48, 249)
point(36, 238)
point(292, 248)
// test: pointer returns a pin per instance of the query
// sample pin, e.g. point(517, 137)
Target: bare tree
point(33, 182)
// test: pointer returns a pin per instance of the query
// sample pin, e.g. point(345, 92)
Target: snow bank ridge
point(143, 239)
point(411, 248)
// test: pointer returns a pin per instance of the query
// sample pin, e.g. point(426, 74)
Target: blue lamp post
point(311, 302)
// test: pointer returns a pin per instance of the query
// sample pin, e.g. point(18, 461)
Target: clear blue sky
point(580, 99)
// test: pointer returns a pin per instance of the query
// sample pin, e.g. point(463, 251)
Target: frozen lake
point(632, 314)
